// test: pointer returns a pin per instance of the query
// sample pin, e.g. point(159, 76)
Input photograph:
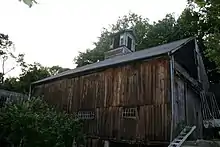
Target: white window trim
point(129, 113)
point(86, 115)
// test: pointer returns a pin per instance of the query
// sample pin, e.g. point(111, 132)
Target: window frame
point(121, 43)
point(129, 47)
point(129, 113)
point(85, 115)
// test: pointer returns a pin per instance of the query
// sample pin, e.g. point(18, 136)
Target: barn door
point(179, 105)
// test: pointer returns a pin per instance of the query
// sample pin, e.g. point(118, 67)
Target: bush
point(33, 123)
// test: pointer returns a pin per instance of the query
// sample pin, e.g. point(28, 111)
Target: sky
point(54, 31)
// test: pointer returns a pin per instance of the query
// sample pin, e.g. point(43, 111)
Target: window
point(121, 40)
point(86, 115)
point(129, 113)
point(116, 41)
point(129, 43)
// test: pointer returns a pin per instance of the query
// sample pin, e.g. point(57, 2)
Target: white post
point(172, 95)
point(106, 143)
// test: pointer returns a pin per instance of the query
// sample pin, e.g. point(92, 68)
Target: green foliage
point(30, 73)
point(148, 35)
point(29, 2)
point(209, 27)
point(213, 48)
point(56, 69)
point(209, 22)
point(11, 84)
point(33, 123)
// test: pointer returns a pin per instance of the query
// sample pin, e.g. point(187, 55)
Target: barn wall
point(179, 105)
point(194, 111)
point(187, 107)
point(143, 85)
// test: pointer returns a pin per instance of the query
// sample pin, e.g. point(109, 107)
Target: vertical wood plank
point(144, 84)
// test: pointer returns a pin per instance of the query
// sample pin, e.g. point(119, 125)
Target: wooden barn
point(136, 97)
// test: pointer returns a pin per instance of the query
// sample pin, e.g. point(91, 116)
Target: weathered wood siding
point(194, 112)
point(187, 107)
point(179, 105)
point(144, 85)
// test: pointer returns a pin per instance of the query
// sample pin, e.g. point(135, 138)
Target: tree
point(11, 84)
point(6, 53)
point(30, 73)
point(54, 70)
point(148, 35)
point(209, 18)
point(35, 72)
point(209, 26)
point(139, 24)
point(34, 123)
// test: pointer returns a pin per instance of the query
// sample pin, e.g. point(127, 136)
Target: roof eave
point(174, 50)
point(42, 81)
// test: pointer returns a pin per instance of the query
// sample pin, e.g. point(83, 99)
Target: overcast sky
point(53, 31)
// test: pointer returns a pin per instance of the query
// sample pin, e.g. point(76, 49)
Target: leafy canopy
point(30, 73)
point(209, 12)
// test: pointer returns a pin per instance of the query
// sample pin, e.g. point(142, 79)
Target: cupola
point(123, 42)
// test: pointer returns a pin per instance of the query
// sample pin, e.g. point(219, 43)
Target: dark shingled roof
point(143, 54)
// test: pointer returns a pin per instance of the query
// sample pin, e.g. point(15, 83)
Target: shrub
point(33, 123)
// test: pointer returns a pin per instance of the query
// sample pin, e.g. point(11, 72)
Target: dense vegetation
point(33, 123)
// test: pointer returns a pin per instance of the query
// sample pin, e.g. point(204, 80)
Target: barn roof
point(138, 55)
